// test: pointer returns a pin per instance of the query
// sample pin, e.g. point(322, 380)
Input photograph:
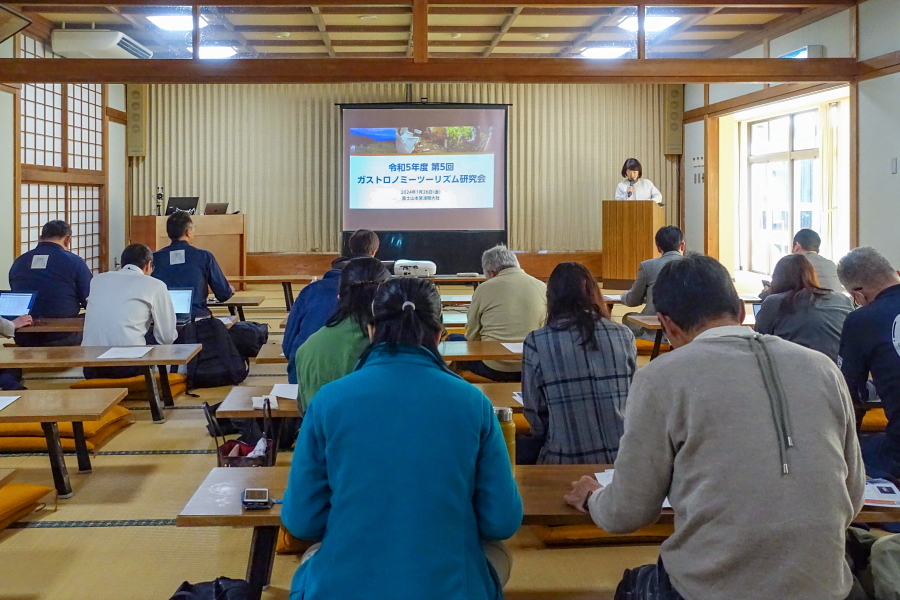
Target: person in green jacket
point(332, 351)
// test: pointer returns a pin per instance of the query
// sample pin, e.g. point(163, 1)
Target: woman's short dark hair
point(407, 312)
point(694, 290)
point(795, 276)
point(632, 164)
point(178, 224)
point(574, 302)
point(360, 279)
point(363, 241)
point(138, 255)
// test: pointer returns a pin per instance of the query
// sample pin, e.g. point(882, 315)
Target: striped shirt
point(574, 396)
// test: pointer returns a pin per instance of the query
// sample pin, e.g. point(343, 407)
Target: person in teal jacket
point(401, 471)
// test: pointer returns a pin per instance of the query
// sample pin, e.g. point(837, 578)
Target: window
point(62, 129)
point(784, 185)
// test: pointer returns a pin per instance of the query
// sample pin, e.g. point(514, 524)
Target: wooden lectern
point(223, 235)
point(629, 229)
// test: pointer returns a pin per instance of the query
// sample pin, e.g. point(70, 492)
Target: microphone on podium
point(631, 185)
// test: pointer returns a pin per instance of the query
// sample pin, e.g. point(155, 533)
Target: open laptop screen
point(756, 308)
point(15, 304)
point(181, 300)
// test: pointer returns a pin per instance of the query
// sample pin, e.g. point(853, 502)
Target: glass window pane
point(806, 130)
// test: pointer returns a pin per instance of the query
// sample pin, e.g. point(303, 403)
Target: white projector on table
point(414, 268)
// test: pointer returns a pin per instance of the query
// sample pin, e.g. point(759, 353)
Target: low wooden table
point(238, 404)
point(271, 354)
point(67, 357)
point(49, 325)
point(50, 407)
point(287, 283)
point(6, 475)
point(501, 394)
point(448, 279)
point(652, 323)
point(456, 299)
point(236, 304)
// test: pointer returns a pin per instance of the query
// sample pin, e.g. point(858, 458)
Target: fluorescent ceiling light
point(604, 52)
point(215, 51)
point(176, 22)
point(650, 23)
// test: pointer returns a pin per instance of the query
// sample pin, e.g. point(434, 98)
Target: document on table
point(7, 400)
point(259, 402)
point(612, 297)
point(749, 297)
point(517, 347)
point(285, 390)
point(128, 352)
point(517, 396)
point(879, 492)
point(605, 478)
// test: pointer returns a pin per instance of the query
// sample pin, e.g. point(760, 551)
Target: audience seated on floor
point(800, 310)
point(59, 279)
point(333, 351)
point(182, 265)
point(807, 243)
point(751, 438)
point(122, 308)
point(11, 379)
point(670, 244)
point(576, 371)
point(417, 486)
point(869, 346)
point(318, 300)
point(505, 308)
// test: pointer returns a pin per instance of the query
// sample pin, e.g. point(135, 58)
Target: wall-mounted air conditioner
point(96, 43)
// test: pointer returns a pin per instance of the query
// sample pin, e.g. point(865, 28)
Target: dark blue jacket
point(62, 286)
point(870, 343)
point(198, 270)
point(315, 303)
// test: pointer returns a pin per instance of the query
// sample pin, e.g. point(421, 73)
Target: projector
point(415, 268)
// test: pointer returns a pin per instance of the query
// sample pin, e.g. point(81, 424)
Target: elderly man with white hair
point(505, 308)
point(870, 344)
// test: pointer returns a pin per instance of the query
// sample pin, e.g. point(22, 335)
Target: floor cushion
point(572, 535)
point(137, 386)
point(645, 347)
point(874, 421)
point(20, 443)
point(18, 500)
point(523, 427)
point(91, 428)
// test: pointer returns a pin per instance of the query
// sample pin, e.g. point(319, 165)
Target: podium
point(629, 228)
point(223, 235)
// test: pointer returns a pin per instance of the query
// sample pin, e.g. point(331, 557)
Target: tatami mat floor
point(115, 538)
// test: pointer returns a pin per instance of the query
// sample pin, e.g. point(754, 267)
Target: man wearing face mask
point(634, 187)
point(870, 344)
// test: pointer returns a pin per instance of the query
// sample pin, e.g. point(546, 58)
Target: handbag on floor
point(222, 588)
point(233, 453)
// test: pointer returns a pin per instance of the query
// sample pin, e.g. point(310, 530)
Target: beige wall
point(273, 152)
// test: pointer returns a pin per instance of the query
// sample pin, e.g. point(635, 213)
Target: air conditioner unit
point(96, 43)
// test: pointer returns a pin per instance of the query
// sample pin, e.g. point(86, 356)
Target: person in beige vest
point(751, 438)
point(505, 308)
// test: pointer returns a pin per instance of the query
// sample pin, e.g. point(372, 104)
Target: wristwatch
point(584, 505)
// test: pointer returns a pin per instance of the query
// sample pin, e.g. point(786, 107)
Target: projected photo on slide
point(424, 167)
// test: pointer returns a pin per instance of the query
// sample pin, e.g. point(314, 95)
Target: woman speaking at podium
point(634, 187)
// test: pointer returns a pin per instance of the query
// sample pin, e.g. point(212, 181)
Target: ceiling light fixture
point(456, 36)
point(651, 24)
point(605, 52)
point(283, 34)
point(176, 22)
point(215, 51)
point(541, 36)
point(368, 18)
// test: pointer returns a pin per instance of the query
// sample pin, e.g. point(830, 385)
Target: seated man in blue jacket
point(181, 265)
point(318, 300)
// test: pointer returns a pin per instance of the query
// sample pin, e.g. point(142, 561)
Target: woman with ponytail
point(401, 472)
point(332, 351)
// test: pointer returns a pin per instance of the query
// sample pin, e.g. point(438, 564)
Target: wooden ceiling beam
point(419, 32)
point(507, 23)
point(497, 70)
point(726, 28)
point(320, 23)
point(575, 45)
point(687, 24)
point(213, 16)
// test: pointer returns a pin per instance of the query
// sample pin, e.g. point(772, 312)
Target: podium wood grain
point(629, 228)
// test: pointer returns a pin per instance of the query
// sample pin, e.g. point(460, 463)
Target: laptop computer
point(756, 308)
point(186, 203)
point(215, 208)
point(15, 304)
point(182, 298)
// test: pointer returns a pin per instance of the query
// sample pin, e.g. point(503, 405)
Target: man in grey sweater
point(751, 438)
point(670, 244)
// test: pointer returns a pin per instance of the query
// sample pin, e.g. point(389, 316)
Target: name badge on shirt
point(39, 261)
point(176, 257)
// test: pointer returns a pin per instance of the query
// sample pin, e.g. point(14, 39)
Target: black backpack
point(219, 362)
point(222, 588)
point(249, 337)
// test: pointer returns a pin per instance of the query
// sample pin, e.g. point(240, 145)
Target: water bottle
point(508, 427)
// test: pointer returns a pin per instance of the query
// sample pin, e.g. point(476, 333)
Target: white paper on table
point(881, 492)
point(285, 390)
point(749, 297)
point(517, 347)
point(225, 320)
point(7, 400)
point(128, 352)
point(259, 402)
point(454, 319)
point(456, 298)
point(517, 396)
point(282, 355)
point(605, 478)
point(613, 297)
